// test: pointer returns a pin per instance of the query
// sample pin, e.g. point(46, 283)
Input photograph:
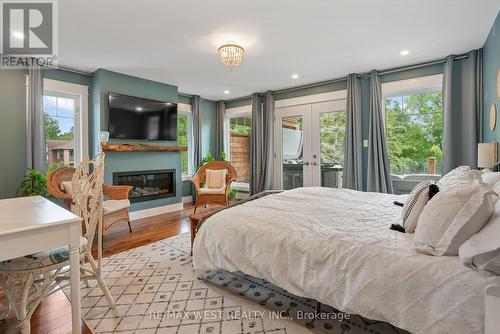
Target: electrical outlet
point(365, 143)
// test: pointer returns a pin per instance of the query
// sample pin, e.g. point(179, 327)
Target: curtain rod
point(383, 72)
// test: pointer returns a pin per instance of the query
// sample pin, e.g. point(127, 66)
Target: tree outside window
point(415, 133)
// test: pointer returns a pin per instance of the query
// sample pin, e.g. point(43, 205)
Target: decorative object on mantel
point(142, 148)
point(103, 137)
point(231, 54)
point(487, 154)
point(493, 117)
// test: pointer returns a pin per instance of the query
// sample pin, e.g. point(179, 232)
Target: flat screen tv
point(137, 118)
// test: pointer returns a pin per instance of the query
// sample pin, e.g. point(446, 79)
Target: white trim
point(140, 214)
point(430, 83)
point(187, 199)
point(82, 121)
point(315, 98)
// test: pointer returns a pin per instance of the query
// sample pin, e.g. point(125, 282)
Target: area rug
point(156, 292)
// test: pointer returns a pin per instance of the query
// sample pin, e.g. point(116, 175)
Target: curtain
point(378, 175)
point(261, 151)
point(462, 110)
point(353, 175)
point(197, 150)
point(219, 129)
point(35, 122)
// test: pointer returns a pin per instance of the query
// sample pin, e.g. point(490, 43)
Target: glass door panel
point(331, 150)
point(292, 152)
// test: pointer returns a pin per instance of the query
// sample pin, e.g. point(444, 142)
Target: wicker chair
point(199, 178)
point(113, 214)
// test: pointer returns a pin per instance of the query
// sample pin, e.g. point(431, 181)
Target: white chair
point(27, 280)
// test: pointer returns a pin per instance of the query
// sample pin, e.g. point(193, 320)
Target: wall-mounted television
point(138, 118)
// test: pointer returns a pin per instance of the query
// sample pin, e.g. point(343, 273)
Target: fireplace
point(148, 184)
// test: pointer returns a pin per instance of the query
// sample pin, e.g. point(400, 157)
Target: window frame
point(185, 110)
point(244, 111)
point(81, 124)
point(407, 87)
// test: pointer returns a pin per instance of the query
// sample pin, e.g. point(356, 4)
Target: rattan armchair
point(111, 217)
point(199, 179)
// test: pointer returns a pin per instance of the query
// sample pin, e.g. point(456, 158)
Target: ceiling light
point(18, 34)
point(405, 53)
point(231, 54)
point(138, 108)
point(226, 92)
point(295, 76)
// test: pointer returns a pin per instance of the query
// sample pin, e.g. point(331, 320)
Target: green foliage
point(332, 137)
point(182, 140)
point(414, 132)
point(34, 184)
point(53, 131)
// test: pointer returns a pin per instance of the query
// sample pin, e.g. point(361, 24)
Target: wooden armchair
point(115, 208)
point(212, 196)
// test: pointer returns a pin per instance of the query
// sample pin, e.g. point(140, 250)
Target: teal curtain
point(378, 171)
point(353, 174)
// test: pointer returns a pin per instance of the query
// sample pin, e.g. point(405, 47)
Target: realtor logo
point(28, 33)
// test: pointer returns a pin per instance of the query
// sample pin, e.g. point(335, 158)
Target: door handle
point(307, 163)
point(315, 163)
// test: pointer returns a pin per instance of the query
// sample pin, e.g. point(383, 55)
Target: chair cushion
point(212, 191)
point(67, 187)
point(41, 259)
point(215, 178)
point(114, 205)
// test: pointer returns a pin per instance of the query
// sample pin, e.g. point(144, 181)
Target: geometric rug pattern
point(156, 292)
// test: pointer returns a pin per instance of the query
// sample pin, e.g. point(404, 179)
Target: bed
point(335, 246)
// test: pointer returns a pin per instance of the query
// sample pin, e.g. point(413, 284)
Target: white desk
point(33, 224)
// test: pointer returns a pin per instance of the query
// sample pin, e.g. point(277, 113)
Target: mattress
point(336, 246)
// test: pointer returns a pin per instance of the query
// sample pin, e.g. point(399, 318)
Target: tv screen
point(137, 118)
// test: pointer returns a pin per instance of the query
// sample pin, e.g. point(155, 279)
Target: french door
point(309, 145)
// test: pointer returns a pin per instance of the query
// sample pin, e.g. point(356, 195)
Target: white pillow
point(482, 250)
point(449, 177)
point(414, 205)
point(451, 218)
point(459, 180)
point(215, 178)
point(490, 178)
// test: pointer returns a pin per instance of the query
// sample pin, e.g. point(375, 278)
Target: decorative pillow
point(459, 180)
point(482, 250)
point(215, 178)
point(414, 205)
point(452, 175)
point(451, 218)
point(490, 178)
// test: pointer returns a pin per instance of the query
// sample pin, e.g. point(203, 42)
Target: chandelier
point(231, 54)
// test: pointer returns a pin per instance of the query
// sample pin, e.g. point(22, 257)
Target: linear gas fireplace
point(148, 184)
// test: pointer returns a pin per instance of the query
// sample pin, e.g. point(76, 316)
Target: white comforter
point(336, 246)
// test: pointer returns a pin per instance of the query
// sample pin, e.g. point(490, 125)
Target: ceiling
point(176, 42)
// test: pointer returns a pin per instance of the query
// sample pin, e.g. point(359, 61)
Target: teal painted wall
point(491, 66)
point(12, 130)
point(105, 82)
point(67, 76)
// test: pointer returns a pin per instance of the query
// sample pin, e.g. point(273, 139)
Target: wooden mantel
point(141, 148)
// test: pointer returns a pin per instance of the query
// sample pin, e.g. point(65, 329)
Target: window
point(65, 117)
point(415, 132)
point(184, 139)
point(238, 133)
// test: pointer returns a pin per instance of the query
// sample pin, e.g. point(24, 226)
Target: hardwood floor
point(53, 316)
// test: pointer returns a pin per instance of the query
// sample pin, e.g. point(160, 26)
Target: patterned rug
point(156, 291)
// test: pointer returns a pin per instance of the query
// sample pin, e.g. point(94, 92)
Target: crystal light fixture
point(231, 54)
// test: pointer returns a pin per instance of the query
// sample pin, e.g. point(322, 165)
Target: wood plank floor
point(53, 316)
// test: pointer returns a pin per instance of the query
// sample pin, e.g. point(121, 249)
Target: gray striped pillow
point(414, 205)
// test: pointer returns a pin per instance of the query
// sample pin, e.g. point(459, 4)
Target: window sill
point(240, 186)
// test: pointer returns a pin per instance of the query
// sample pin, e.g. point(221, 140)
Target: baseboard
point(140, 214)
point(187, 199)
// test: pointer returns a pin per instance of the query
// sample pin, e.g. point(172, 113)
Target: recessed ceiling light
point(18, 34)
point(404, 53)
point(226, 92)
point(138, 108)
point(295, 76)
